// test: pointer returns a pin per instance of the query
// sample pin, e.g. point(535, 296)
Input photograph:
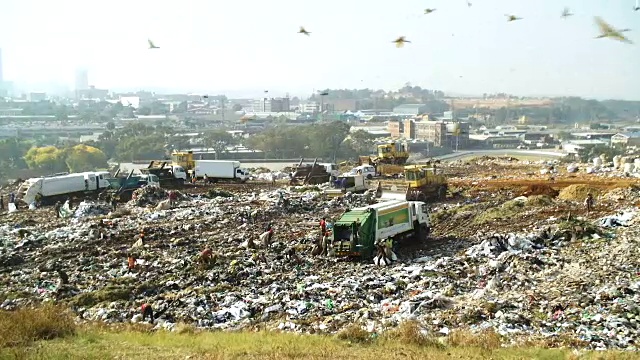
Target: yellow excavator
point(389, 160)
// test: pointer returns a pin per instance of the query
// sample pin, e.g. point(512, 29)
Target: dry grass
point(354, 333)
point(411, 333)
point(23, 326)
point(486, 340)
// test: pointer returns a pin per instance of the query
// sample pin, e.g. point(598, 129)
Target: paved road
point(502, 152)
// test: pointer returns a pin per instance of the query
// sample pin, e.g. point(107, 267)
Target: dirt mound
point(540, 189)
point(539, 200)
point(578, 192)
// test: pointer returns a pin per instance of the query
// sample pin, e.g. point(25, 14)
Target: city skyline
point(254, 45)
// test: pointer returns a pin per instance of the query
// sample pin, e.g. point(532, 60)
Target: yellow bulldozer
point(389, 160)
point(424, 183)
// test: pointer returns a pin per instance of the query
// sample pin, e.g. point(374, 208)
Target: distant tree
point(361, 141)
point(111, 126)
point(47, 158)
point(218, 140)
point(181, 108)
point(85, 158)
point(236, 107)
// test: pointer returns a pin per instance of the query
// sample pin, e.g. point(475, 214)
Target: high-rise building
point(1, 78)
point(82, 79)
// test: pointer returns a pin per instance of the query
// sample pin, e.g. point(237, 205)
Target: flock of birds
point(606, 30)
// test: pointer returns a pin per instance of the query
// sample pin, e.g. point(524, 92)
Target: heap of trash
point(568, 279)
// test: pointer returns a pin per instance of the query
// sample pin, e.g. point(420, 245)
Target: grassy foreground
point(61, 339)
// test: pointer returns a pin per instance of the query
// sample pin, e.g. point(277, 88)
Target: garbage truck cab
point(357, 230)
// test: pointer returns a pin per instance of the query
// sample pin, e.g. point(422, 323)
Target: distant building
point(342, 104)
point(37, 96)
point(574, 146)
point(410, 109)
point(626, 139)
point(1, 75)
point(272, 105)
point(133, 101)
point(82, 81)
point(439, 133)
point(92, 93)
point(310, 107)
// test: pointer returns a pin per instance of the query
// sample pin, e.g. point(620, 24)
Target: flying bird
point(607, 31)
point(303, 31)
point(566, 13)
point(512, 18)
point(637, 7)
point(469, 3)
point(152, 45)
point(400, 41)
point(429, 11)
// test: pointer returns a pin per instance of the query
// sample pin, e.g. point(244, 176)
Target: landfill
point(508, 252)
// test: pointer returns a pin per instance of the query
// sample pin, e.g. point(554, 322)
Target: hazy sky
point(248, 45)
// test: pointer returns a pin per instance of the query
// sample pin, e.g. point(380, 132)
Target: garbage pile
point(148, 195)
point(91, 209)
point(568, 279)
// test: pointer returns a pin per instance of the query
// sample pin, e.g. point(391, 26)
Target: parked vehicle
point(216, 170)
point(332, 169)
point(347, 183)
point(368, 171)
point(169, 175)
point(50, 189)
point(123, 187)
point(357, 230)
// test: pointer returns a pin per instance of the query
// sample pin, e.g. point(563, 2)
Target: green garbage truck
point(358, 229)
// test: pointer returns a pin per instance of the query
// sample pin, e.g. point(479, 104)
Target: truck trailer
point(357, 231)
point(49, 189)
point(220, 170)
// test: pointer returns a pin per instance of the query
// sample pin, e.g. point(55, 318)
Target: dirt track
point(603, 183)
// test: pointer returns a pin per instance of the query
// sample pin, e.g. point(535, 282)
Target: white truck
point(220, 170)
point(49, 189)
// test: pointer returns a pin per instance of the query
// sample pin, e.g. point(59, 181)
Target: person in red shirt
point(206, 256)
point(270, 231)
point(147, 311)
point(173, 198)
point(323, 226)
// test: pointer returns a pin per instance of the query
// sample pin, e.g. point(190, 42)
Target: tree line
point(329, 140)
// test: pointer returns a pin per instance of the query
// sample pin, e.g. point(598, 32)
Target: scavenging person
point(114, 202)
point(323, 225)
point(57, 208)
point(64, 278)
point(147, 310)
point(290, 254)
point(206, 257)
point(131, 263)
point(589, 202)
point(381, 253)
point(267, 236)
point(173, 198)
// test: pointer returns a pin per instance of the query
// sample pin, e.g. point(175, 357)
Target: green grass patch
point(507, 210)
